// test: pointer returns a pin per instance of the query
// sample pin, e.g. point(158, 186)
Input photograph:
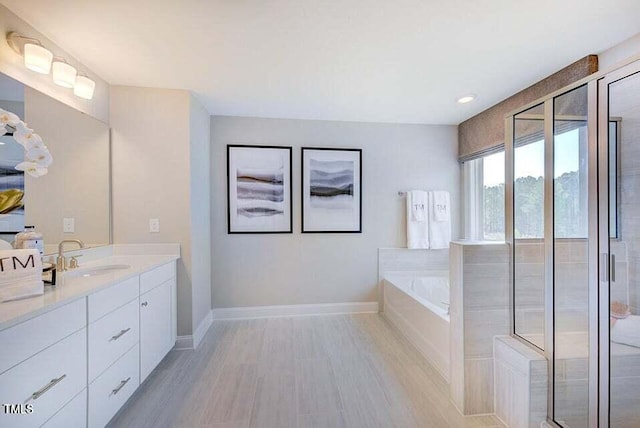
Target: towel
point(441, 206)
point(627, 331)
point(417, 230)
point(20, 274)
point(619, 310)
point(419, 200)
point(439, 220)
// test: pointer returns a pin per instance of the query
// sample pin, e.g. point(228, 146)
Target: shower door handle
point(604, 267)
point(613, 267)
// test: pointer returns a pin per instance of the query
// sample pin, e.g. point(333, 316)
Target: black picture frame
point(305, 192)
point(232, 226)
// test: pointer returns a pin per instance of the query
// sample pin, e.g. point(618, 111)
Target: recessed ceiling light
point(466, 98)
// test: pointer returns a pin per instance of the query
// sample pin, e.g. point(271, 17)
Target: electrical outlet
point(68, 225)
point(154, 225)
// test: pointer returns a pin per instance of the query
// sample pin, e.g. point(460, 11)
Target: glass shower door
point(621, 364)
point(571, 259)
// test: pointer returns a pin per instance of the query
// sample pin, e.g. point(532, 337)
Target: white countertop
point(70, 288)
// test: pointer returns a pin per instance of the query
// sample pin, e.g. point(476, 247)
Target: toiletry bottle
point(21, 236)
point(30, 239)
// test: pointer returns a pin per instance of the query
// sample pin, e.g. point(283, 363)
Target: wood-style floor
point(325, 371)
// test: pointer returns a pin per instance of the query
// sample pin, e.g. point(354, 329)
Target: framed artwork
point(331, 190)
point(259, 189)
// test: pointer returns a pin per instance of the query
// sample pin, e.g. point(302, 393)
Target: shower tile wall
point(571, 297)
point(405, 260)
point(520, 383)
point(479, 311)
point(628, 178)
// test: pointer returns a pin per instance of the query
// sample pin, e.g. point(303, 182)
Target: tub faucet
point(61, 262)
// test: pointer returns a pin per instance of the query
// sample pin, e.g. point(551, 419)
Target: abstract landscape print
point(259, 189)
point(331, 184)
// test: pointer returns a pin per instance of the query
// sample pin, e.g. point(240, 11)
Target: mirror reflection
point(72, 200)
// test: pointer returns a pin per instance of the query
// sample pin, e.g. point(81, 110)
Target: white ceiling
point(355, 60)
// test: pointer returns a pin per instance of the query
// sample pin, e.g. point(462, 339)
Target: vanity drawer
point(159, 275)
point(111, 336)
point(30, 337)
point(45, 381)
point(74, 414)
point(105, 301)
point(113, 388)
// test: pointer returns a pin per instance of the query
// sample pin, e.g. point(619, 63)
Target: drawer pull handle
point(47, 387)
point(119, 335)
point(122, 384)
point(144, 304)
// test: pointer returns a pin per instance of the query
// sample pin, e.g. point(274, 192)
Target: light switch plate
point(154, 225)
point(68, 225)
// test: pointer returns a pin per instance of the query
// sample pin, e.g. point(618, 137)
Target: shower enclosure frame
point(598, 233)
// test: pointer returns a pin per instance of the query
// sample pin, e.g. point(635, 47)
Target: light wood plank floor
point(326, 371)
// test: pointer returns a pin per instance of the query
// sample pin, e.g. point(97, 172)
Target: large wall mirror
point(73, 200)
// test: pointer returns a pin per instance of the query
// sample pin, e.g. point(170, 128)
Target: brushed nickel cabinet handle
point(47, 387)
point(119, 335)
point(122, 384)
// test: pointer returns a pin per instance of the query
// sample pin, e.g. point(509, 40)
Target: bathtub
point(418, 305)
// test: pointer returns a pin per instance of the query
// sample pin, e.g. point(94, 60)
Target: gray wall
point(159, 140)
point(287, 269)
point(199, 121)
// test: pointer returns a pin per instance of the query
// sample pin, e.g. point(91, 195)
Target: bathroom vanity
point(74, 356)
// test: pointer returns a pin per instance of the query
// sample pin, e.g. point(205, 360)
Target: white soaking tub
point(418, 305)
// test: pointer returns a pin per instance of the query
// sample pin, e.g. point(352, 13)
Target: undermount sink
point(96, 271)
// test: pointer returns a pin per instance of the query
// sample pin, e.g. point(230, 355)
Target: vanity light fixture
point(84, 87)
point(36, 57)
point(64, 74)
point(465, 99)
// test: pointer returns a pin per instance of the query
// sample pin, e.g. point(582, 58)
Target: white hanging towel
point(417, 219)
point(20, 274)
point(439, 220)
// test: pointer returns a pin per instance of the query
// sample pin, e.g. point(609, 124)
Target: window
point(485, 190)
point(484, 201)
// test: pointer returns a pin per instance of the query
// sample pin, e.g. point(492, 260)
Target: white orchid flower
point(26, 137)
point(40, 156)
point(8, 118)
point(35, 142)
point(32, 168)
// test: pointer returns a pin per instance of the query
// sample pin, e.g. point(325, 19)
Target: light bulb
point(466, 98)
point(37, 58)
point(84, 87)
point(64, 74)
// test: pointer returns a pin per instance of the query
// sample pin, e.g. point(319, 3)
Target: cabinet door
point(155, 327)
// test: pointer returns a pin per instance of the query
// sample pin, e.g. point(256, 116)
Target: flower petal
point(40, 156)
point(32, 168)
point(3, 130)
point(8, 118)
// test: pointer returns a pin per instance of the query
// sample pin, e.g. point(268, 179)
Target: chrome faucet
point(61, 262)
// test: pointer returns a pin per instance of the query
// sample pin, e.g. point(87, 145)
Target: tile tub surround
point(426, 330)
point(141, 258)
point(406, 260)
point(479, 311)
point(520, 376)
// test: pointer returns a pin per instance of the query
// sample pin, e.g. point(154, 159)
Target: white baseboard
point(184, 342)
point(192, 341)
point(202, 329)
point(294, 310)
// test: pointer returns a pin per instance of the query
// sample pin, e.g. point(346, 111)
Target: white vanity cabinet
point(78, 364)
point(42, 373)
